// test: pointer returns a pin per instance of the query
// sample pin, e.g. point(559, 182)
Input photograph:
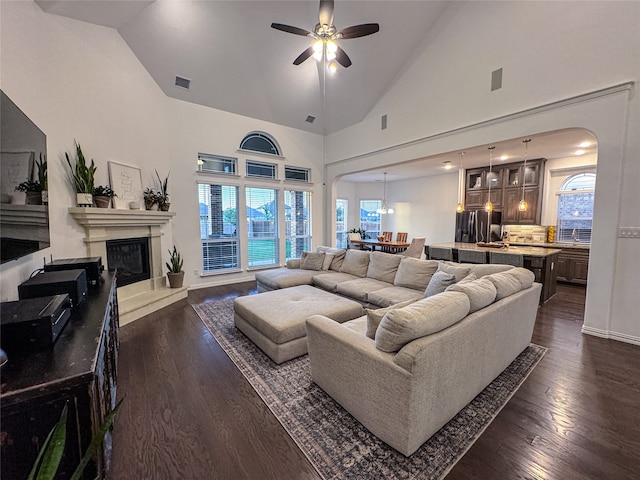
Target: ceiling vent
point(183, 82)
point(310, 119)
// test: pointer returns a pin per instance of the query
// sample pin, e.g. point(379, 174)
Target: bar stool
point(506, 258)
point(437, 253)
point(471, 256)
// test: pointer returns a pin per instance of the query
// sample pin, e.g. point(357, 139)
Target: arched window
point(575, 208)
point(260, 142)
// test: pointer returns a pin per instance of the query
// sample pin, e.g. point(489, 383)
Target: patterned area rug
point(337, 445)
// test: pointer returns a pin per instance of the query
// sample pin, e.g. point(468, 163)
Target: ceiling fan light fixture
point(332, 67)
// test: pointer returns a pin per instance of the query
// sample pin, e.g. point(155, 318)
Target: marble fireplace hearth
point(104, 224)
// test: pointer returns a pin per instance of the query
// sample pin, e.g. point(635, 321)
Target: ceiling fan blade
point(303, 56)
point(326, 12)
point(358, 31)
point(342, 58)
point(290, 29)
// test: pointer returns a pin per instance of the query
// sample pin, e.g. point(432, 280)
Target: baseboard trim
point(620, 337)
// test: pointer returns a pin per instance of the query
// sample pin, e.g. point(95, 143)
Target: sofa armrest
point(293, 263)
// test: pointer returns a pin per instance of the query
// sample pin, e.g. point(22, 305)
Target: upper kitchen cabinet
point(478, 181)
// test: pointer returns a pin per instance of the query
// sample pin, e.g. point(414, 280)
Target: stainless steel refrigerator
point(478, 226)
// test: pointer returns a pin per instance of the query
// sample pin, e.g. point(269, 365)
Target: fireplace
point(131, 257)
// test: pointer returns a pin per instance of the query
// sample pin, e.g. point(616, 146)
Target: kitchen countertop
point(531, 251)
point(582, 246)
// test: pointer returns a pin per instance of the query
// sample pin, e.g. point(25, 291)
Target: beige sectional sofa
point(407, 376)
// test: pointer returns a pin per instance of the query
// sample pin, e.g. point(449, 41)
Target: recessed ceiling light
point(447, 165)
point(585, 144)
point(579, 152)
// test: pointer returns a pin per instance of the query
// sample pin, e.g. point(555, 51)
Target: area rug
point(337, 445)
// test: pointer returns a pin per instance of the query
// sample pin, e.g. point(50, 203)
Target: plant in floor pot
point(174, 265)
point(82, 177)
point(102, 196)
point(163, 193)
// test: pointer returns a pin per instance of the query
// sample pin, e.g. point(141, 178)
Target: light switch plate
point(629, 232)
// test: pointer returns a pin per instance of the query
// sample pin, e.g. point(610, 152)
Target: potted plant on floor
point(82, 176)
point(174, 265)
point(102, 196)
point(163, 193)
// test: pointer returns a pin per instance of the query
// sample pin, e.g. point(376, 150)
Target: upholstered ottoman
point(275, 321)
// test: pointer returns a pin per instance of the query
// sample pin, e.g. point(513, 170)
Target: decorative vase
point(84, 199)
point(45, 197)
point(175, 279)
point(33, 198)
point(150, 205)
point(102, 201)
point(165, 207)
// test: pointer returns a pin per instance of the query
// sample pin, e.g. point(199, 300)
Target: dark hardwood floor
point(190, 414)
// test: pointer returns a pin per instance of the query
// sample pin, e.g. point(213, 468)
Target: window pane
point(575, 216)
point(216, 164)
point(262, 226)
point(341, 222)
point(295, 173)
point(369, 219)
point(297, 216)
point(218, 206)
point(258, 169)
point(258, 142)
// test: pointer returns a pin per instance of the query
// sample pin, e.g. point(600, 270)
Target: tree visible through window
point(575, 208)
point(218, 205)
point(262, 226)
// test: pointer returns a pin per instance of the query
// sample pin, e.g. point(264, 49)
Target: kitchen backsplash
point(526, 233)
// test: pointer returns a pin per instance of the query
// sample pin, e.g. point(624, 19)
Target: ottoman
point(274, 321)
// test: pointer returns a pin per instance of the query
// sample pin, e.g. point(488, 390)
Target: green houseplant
point(102, 196)
point(174, 265)
point(163, 194)
point(151, 199)
point(82, 177)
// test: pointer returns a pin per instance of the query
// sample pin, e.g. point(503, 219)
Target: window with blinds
point(575, 208)
point(262, 227)
point(342, 205)
point(218, 206)
point(297, 219)
point(370, 221)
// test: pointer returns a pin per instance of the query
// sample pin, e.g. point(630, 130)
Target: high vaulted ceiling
point(236, 62)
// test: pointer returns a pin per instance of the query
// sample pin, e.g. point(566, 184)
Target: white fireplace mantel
point(103, 224)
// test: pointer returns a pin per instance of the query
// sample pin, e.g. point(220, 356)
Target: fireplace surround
point(106, 224)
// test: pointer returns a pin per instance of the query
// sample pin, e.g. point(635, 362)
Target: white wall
point(80, 81)
point(556, 57)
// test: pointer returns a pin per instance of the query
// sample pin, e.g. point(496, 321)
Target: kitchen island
point(540, 260)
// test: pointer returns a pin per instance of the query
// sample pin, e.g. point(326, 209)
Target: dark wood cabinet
point(573, 265)
point(79, 370)
point(507, 190)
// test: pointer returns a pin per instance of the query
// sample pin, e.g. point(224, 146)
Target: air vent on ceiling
point(496, 79)
point(310, 118)
point(383, 122)
point(183, 82)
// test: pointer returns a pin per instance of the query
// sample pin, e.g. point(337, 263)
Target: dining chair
point(415, 249)
point(354, 236)
point(471, 256)
point(401, 237)
point(388, 236)
point(506, 258)
point(437, 253)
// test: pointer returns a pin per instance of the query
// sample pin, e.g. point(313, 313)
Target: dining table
point(382, 245)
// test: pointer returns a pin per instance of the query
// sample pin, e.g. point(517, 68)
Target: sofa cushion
point(481, 292)
point(312, 261)
point(338, 256)
point(284, 277)
point(424, 317)
point(457, 270)
point(329, 281)
point(391, 295)
point(356, 262)
point(383, 266)
point(526, 277)
point(360, 288)
point(488, 268)
point(414, 273)
point(505, 283)
point(374, 316)
point(439, 283)
point(358, 325)
point(469, 278)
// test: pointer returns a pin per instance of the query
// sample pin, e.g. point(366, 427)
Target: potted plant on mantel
point(82, 177)
point(174, 265)
point(151, 199)
point(163, 194)
point(102, 196)
point(33, 191)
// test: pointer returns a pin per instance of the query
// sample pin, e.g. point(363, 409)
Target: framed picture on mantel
point(126, 182)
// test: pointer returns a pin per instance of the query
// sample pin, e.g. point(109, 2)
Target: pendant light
point(488, 207)
point(384, 210)
point(460, 207)
point(522, 206)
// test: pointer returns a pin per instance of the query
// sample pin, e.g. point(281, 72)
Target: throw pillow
point(356, 262)
point(481, 292)
point(328, 259)
point(469, 278)
point(459, 272)
point(311, 260)
point(338, 256)
point(438, 283)
point(424, 317)
point(383, 266)
point(526, 277)
point(374, 317)
point(414, 273)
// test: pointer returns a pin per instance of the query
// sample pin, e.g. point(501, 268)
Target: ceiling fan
point(325, 35)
